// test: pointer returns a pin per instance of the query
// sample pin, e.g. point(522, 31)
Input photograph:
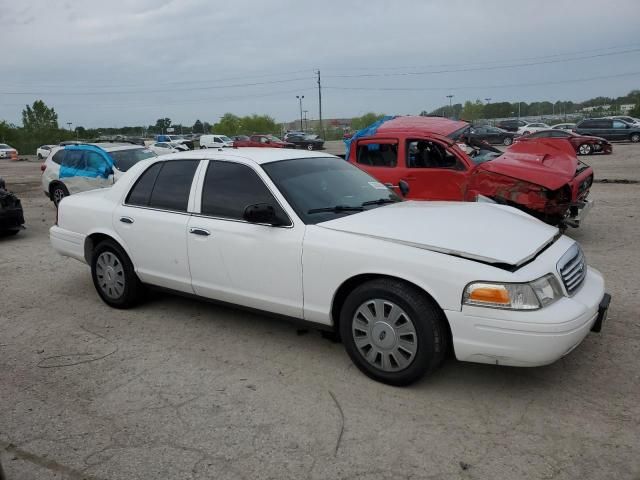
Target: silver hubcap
point(58, 195)
point(384, 335)
point(584, 149)
point(110, 274)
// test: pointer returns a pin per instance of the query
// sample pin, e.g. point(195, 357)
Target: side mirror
point(404, 188)
point(261, 213)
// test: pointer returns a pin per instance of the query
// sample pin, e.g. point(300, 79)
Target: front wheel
point(585, 149)
point(113, 275)
point(635, 137)
point(507, 141)
point(309, 147)
point(203, 147)
point(393, 332)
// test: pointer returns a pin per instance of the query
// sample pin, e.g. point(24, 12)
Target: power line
point(471, 87)
point(481, 68)
point(169, 90)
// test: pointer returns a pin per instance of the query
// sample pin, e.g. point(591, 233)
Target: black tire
point(57, 192)
point(310, 147)
point(507, 141)
point(585, 149)
point(423, 314)
point(635, 137)
point(203, 147)
point(132, 288)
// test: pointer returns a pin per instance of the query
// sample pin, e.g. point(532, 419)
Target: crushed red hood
point(550, 163)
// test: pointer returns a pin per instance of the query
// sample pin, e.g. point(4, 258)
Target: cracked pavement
point(184, 389)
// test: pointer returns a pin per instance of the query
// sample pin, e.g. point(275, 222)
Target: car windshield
point(273, 138)
point(125, 159)
point(4, 146)
point(325, 188)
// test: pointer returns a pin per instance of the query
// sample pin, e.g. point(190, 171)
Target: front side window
point(229, 188)
point(619, 124)
point(378, 154)
point(125, 159)
point(428, 154)
point(560, 134)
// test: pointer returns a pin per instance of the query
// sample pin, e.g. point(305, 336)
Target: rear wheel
point(309, 147)
point(635, 137)
point(58, 192)
point(113, 275)
point(507, 141)
point(393, 332)
point(585, 149)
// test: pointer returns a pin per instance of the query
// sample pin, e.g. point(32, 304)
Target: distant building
point(603, 108)
point(626, 108)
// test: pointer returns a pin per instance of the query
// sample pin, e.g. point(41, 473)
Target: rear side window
point(141, 191)
point(58, 157)
point(125, 159)
point(230, 187)
point(74, 159)
point(378, 154)
point(173, 185)
point(596, 124)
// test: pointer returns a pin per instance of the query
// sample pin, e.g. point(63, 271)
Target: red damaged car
point(420, 157)
point(582, 144)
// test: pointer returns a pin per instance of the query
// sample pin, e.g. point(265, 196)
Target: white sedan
point(162, 148)
point(532, 127)
point(309, 236)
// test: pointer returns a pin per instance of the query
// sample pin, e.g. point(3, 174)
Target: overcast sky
point(129, 62)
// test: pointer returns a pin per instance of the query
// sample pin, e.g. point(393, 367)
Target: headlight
point(513, 296)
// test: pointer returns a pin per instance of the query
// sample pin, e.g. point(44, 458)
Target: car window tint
point(426, 154)
point(619, 124)
point(94, 161)
point(229, 188)
point(125, 159)
point(141, 191)
point(58, 157)
point(173, 185)
point(74, 159)
point(378, 154)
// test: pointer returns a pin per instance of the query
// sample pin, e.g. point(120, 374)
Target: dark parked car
point(310, 142)
point(511, 125)
point(582, 144)
point(609, 129)
point(492, 135)
point(11, 215)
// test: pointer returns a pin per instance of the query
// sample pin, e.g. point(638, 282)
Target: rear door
point(379, 158)
point(83, 170)
point(153, 220)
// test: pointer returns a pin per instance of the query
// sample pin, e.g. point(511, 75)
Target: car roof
point(419, 124)
point(255, 155)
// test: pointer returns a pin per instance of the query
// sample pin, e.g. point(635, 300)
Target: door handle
point(199, 231)
point(128, 220)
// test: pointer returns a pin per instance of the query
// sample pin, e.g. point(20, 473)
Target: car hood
point(484, 232)
point(550, 163)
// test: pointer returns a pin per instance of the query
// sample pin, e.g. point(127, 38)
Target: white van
point(215, 141)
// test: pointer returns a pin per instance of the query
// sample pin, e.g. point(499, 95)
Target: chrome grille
point(572, 267)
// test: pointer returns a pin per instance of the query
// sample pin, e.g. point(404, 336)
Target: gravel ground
point(183, 389)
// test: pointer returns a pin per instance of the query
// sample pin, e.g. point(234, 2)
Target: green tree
point(197, 127)
point(472, 110)
point(162, 124)
point(229, 124)
point(358, 123)
point(39, 117)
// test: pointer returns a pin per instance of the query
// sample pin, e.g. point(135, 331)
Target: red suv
point(543, 178)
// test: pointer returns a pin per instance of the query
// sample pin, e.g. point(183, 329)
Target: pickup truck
point(263, 141)
point(423, 158)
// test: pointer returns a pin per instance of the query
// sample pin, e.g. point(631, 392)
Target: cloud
point(62, 51)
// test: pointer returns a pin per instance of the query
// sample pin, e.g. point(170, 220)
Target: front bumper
point(528, 339)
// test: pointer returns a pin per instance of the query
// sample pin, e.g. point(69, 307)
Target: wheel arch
point(352, 283)
point(94, 238)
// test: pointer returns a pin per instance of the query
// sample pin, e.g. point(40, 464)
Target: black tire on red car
point(585, 149)
point(635, 137)
point(392, 331)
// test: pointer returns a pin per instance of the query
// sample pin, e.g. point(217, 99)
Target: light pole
point(69, 124)
point(306, 124)
point(487, 100)
point(450, 107)
point(300, 97)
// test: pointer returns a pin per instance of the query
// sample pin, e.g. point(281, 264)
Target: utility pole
point(300, 97)
point(306, 124)
point(69, 124)
point(450, 107)
point(320, 104)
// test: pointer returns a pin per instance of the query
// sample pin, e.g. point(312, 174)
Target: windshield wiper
point(380, 201)
point(336, 209)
